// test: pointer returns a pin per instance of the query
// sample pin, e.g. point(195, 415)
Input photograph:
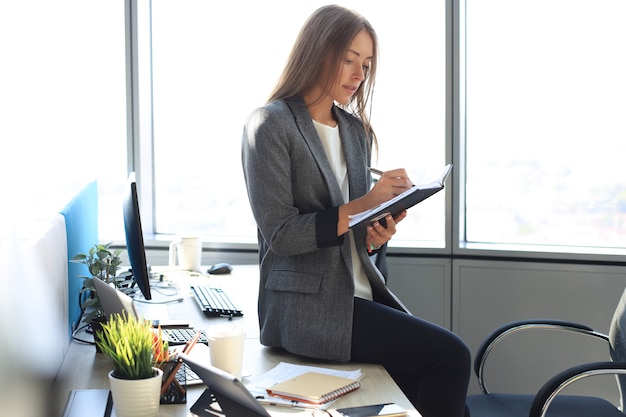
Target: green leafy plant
point(103, 263)
point(132, 346)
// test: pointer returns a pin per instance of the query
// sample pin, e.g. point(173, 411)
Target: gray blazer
point(306, 291)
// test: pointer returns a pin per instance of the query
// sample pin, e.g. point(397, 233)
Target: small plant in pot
point(135, 352)
point(103, 263)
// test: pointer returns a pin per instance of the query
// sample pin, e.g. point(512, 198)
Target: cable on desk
point(161, 290)
point(164, 287)
point(168, 301)
point(78, 329)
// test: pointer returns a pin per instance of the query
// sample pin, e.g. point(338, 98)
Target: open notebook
point(403, 201)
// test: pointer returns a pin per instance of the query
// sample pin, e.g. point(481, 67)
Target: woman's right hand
point(389, 185)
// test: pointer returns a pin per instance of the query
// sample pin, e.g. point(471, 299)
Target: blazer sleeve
point(288, 194)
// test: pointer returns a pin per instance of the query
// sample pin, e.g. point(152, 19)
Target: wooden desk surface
point(83, 368)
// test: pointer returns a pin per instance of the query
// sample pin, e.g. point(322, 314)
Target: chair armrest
point(542, 324)
point(557, 383)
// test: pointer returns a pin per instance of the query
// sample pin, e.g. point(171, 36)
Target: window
point(544, 122)
point(62, 107)
point(213, 63)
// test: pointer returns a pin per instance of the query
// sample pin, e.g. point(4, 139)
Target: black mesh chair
point(548, 402)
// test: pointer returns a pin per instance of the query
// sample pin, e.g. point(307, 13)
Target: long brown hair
point(318, 53)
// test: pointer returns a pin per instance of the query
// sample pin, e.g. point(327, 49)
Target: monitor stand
point(212, 405)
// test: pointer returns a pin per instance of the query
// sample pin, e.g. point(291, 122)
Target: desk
point(83, 368)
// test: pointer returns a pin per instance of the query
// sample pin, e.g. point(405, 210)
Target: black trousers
point(429, 363)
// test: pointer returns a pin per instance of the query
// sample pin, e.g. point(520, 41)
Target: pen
point(285, 403)
point(187, 349)
point(375, 171)
point(192, 343)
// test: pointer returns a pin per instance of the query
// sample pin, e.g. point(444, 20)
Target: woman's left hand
point(378, 235)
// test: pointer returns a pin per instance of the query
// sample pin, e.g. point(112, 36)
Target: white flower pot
point(136, 397)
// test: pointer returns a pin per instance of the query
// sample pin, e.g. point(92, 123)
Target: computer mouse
point(220, 268)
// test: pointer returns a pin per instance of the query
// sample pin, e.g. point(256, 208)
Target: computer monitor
point(134, 238)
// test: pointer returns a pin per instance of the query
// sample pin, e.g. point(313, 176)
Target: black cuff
point(326, 228)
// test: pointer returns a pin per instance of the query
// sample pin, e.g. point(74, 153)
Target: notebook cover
point(314, 387)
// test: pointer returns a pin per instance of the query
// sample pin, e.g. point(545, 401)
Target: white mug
point(186, 251)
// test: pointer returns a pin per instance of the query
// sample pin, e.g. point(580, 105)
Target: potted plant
point(103, 263)
point(135, 351)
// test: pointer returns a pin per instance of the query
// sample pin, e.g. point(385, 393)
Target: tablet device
point(232, 396)
point(376, 410)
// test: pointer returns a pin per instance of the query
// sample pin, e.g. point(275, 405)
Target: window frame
point(140, 152)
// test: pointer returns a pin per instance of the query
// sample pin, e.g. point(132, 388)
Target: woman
point(305, 160)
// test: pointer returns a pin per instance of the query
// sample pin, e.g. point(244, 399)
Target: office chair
point(547, 402)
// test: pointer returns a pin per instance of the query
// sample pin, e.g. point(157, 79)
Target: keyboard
point(214, 302)
point(186, 376)
point(179, 336)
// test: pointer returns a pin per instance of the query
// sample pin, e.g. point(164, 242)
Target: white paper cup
point(226, 347)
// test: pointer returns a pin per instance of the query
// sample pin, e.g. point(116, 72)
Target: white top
point(332, 145)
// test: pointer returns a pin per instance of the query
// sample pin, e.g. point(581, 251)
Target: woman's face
point(354, 68)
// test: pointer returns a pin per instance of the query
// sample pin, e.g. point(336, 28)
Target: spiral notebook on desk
point(314, 388)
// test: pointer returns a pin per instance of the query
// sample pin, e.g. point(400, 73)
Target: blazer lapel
point(355, 154)
point(311, 138)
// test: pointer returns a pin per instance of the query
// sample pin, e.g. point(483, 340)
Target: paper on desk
point(284, 371)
